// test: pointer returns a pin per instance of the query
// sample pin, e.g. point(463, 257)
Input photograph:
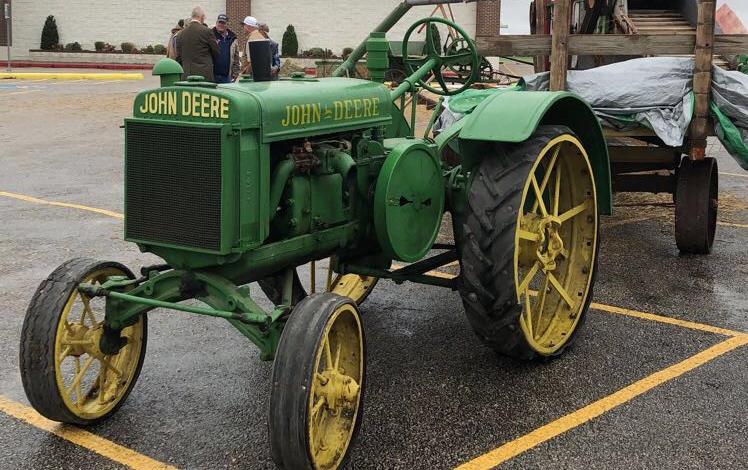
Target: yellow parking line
point(662, 319)
point(599, 407)
point(727, 224)
point(617, 223)
point(85, 439)
point(70, 76)
point(22, 197)
point(733, 174)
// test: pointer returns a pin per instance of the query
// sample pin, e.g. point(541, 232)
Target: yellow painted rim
point(555, 244)
point(90, 383)
point(335, 392)
point(353, 286)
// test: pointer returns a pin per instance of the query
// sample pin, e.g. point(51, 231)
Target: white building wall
point(319, 23)
point(141, 22)
point(339, 24)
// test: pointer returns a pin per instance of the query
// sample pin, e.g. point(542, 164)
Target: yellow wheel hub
point(556, 242)
point(335, 391)
point(90, 382)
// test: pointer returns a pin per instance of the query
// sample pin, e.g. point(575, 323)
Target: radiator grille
point(173, 185)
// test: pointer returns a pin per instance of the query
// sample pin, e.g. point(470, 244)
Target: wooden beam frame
point(609, 44)
point(560, 44)
point(702, 78)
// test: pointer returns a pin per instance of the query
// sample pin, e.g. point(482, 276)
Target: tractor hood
point(283, 109)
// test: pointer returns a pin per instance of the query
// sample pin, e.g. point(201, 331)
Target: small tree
point(50, 36)
point(436, 37)
point(289, 44)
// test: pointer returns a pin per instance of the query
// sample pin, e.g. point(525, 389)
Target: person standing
point(251, 27)
point(171, 45)
point(197, 48)
point(274, 50)
point(226, 66)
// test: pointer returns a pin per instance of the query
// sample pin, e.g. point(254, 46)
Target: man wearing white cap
point(251, 27)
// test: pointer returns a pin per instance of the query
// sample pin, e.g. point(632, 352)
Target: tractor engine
point(214, 172)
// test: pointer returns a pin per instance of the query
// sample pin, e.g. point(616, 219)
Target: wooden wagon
point(603, 31)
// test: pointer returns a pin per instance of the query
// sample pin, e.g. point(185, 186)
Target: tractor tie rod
point(249, 318)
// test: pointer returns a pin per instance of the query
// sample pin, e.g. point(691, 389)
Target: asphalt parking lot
point(657, 379)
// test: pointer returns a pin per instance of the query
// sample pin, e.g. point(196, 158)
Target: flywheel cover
point(409, 201)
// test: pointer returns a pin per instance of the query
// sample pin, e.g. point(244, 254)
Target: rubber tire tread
point(487, 246)
point(291, 378)
point(38, 334)
point(694, 229)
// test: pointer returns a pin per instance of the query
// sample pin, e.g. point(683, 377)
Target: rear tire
point(506, 247)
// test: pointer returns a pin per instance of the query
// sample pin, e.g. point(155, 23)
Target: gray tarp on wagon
point(653, 92)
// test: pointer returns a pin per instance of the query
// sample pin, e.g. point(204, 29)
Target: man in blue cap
point(226, 66)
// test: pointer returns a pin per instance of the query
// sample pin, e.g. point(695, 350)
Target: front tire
point(529, 244)
point(317, 384)
point(65, 375)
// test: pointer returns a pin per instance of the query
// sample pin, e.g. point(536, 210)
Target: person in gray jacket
point(196, 47)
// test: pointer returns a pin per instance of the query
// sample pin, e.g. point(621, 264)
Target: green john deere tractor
point(242, 183)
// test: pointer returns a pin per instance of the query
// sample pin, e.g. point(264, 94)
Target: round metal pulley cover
point(409, 201)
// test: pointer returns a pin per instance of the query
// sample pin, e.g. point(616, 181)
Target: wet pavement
point(436, 397)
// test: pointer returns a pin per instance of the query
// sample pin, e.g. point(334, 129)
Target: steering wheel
point(463, 57)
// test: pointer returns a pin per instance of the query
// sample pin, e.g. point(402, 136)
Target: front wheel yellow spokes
point(556, 242)
point(335, 390)
point(89, 382)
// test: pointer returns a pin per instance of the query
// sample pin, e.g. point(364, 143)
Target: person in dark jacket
point(226, 66)
point(197, 48)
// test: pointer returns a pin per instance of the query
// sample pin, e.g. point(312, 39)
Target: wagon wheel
point(527, 274)
point(353, 286)
point(696, 204)
point(65, 375)
point(317, 384)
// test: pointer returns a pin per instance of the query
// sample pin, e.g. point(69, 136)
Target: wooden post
point(702, 79)
point(540, 9)
point(560, 44)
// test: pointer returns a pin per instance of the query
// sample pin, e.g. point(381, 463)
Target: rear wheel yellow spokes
point(90, 382)
point(556, 240)
point(335, 392)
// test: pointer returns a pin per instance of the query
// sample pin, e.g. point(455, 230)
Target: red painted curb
point(78, 65)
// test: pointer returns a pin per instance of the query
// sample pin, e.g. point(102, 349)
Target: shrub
point(346, 52)
point(99, 46)
point(73, 47)
point(50, 36)
point(128, 48)
point(148, 49)
point(289, 43)
point(436, 37)
point(159, 49)
point(318, 53)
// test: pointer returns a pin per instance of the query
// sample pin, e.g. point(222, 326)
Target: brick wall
point(142, 22)
point(488, 18)
point(236, 11)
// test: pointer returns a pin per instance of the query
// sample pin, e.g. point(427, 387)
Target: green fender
point(513, 116)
